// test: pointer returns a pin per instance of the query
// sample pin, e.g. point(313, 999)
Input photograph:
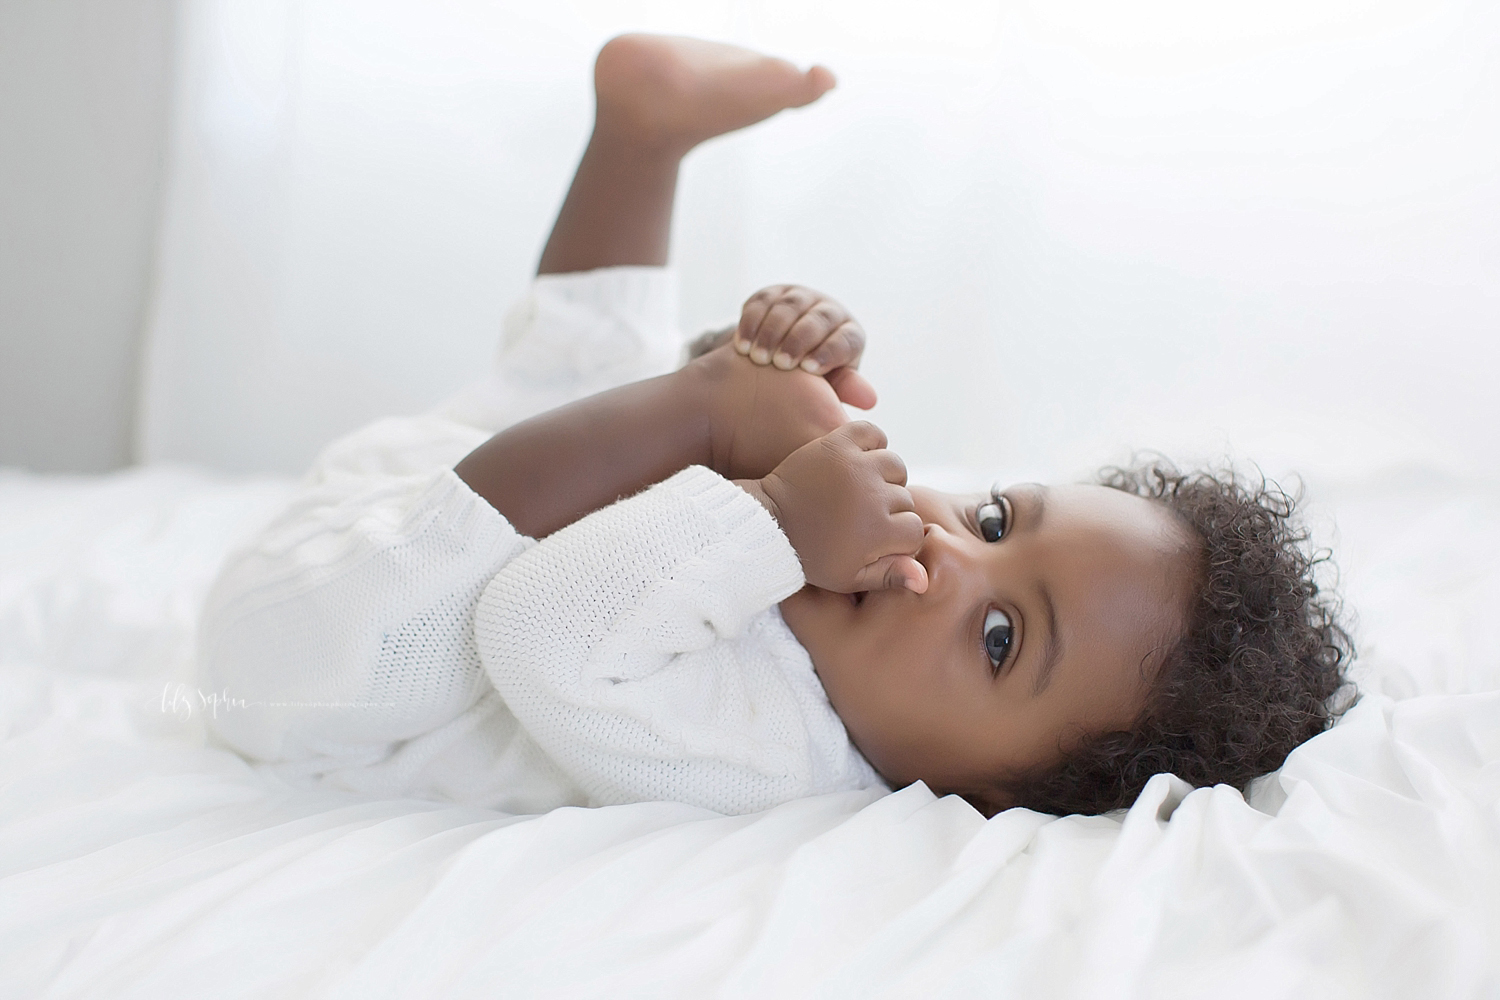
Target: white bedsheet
point(137, 862)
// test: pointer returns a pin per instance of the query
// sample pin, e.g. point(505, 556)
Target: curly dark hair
point(1259, 669)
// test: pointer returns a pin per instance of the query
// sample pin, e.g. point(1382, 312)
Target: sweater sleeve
point(347, 625)
point(636, 649)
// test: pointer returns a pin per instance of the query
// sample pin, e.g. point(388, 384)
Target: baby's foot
point(661, 90)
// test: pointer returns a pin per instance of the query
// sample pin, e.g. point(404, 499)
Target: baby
point(771, 611)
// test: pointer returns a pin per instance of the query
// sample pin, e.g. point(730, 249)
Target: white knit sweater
point(392, 633)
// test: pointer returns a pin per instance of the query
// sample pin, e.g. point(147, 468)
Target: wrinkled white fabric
point(136, 861)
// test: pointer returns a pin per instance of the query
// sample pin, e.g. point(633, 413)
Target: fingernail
point(742, 346)
point(760, 355)
point(783, 361)
point(809, 365)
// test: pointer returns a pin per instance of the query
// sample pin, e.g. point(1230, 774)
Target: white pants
point(383, 533)
point(573, 335)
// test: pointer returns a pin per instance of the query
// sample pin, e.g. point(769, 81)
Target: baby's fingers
point(907, 533)
point(842, 348)
point(863, 434)
point(811, 330)
point(781, 315)
point(890, 572)
point(893, 470)
point(753, 313)
point(897, 566)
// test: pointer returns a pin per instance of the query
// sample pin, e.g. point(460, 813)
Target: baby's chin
point(818, 617)
point(816, 597)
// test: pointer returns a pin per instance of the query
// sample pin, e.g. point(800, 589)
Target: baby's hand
point(843, 503)
point(790, 327)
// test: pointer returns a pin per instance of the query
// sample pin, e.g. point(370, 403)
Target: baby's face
point(1094, 586)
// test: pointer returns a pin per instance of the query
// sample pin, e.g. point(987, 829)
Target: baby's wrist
point(757, 489)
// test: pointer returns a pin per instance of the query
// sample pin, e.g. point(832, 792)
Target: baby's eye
point(997, 632)
point(993, 518)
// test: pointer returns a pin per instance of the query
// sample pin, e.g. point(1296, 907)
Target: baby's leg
point(656, 98)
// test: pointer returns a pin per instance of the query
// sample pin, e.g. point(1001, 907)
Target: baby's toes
point(815, 83)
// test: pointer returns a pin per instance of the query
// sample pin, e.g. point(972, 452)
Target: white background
point(1072, 229)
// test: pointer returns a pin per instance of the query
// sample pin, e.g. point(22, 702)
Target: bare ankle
point(620, 134)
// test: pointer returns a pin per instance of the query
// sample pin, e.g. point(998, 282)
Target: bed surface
point(135, 860)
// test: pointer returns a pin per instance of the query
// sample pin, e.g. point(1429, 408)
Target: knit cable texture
point(642, 649)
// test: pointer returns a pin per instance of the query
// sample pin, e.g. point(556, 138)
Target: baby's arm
point(736, 418)
point(629, 646)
